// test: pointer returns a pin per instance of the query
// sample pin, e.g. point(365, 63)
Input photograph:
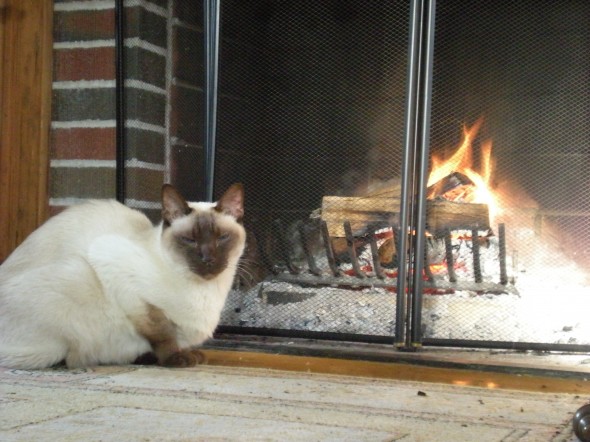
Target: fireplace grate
point(293, 260)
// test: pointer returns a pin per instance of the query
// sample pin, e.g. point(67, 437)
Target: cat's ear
point(173, 204)
point(232, 201)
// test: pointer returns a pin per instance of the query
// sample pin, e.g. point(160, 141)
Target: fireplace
point(415, 174)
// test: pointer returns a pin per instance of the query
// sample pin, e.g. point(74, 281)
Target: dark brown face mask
point(207, 246)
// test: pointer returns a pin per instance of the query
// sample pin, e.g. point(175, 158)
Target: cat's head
point(207, 238)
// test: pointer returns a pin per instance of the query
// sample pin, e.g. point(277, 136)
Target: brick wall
point(83, 116)
point(163, 88)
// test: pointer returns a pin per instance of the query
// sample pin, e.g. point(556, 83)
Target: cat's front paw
point(185, 358)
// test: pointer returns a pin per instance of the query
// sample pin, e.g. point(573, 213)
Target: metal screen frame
point(410, 294)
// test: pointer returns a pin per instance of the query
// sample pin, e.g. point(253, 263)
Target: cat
point(100, 284)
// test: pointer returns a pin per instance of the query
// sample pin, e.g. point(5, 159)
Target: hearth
point(416, 172)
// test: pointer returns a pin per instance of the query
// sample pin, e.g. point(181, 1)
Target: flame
point(461, 161)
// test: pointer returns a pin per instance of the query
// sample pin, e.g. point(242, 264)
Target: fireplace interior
point(312, 116)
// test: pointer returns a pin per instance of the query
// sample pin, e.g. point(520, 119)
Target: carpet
point(217, 403)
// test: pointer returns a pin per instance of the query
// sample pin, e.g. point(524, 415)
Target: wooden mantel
point(25, 112)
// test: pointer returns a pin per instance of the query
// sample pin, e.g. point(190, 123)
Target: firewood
point(362, 212)
point(448, 184)
point(442, 215)
point(366, 213)
point(387, 189)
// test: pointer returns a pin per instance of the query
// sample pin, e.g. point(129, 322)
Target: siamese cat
point(99, 284)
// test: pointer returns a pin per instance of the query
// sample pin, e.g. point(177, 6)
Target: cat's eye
point(188, 240)
point(223, 237)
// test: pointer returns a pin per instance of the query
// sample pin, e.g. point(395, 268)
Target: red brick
point(84, 25)
point(84, 64)
point(87, 182)
point(83, 144)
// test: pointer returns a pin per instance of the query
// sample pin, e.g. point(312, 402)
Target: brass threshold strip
point(397, 371)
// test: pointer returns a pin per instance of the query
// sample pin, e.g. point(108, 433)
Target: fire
point(461, 161)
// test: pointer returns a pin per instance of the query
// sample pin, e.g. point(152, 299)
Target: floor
point(252, 390)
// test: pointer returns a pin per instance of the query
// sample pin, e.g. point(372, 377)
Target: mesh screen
point(518, 71)
point(311, 119)
point(311, 105)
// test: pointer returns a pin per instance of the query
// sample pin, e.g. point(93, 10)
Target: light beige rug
point(213, 403)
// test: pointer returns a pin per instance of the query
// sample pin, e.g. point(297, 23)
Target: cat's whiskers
point(242, 271)
point(244, 277)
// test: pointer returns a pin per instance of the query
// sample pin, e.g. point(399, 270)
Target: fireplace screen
point(510, 136)
point(312, 105)
point(310, 118)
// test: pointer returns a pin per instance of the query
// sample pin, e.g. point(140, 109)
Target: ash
point(283, 305)
point(538, 305)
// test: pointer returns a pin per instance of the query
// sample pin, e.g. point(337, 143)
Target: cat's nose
point(207, 257)
point(209, 260)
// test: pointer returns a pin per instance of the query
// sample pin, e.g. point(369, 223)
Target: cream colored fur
point(72, 289)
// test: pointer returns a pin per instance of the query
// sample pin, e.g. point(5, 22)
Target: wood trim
point(26, 46)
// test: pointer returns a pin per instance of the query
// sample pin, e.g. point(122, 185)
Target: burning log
point(453, 187)
point(366, 213)
point(363, 213)
point(445, 215)
point(388, 189)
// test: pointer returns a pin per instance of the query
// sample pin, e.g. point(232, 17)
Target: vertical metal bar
point(502, 253)
point(476, 255)
point(329, 250)
point(375, 256)
point(313, 268)
point(407, 172)
point(449, 257)
point(279, 234)
point(352, 251)
point(427, 269)
point(259, 239)
point(396, 252)
point(423, 120)
point(211, 36)
point(120, 114)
